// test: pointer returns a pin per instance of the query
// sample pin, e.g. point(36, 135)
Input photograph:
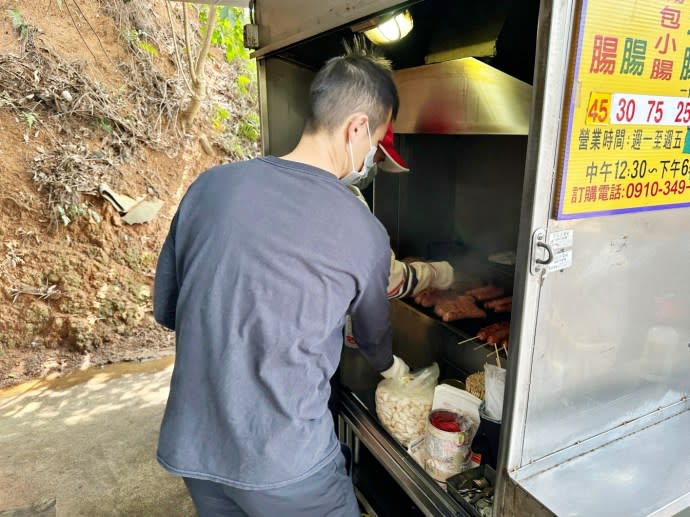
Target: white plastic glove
point(443, 275)
point(399, 369)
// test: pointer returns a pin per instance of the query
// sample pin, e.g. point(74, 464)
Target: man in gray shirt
point(263, 260)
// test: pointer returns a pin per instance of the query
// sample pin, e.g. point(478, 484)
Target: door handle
point(549, 254)
point(537, 263)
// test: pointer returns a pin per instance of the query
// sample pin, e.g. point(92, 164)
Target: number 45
point(598, 111)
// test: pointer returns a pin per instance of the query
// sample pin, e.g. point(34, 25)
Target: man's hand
point(399, 369)
point(443, 275)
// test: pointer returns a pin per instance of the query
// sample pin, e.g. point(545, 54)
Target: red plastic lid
point(446, 421)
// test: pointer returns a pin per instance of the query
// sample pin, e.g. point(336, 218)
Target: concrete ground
point(88, 440)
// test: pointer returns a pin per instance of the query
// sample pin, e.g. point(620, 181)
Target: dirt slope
point(79, 294)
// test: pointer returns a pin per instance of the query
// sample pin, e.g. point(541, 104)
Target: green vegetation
point(134, 37)
point(18, 22)
point(249, 127)
point(220, 115)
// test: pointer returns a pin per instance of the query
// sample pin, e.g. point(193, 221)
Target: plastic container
point(455, 383)
point(468, 479)
point(447, 442)
point(458, 400)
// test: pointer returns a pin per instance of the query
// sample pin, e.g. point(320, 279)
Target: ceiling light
point(393, 29)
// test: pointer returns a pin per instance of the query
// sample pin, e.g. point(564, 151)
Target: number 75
point(657, 108)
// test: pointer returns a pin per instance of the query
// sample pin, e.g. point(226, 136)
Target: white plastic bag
point(495, 384)
point(403, 404)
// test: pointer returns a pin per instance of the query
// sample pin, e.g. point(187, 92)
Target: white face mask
point(368, 178)
point(356, 176)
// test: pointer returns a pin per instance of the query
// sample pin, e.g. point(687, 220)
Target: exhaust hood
point(462, 96)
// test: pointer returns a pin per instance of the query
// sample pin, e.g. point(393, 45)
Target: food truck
point(550, 158)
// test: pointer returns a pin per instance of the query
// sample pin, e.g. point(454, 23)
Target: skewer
point(480, 346)
point(498, 356)
point(467, 340)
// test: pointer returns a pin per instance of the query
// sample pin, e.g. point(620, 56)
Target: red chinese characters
point(670, 18)
point(662, 69)
point(604, 55)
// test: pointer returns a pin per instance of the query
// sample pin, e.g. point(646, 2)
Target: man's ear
point(356, 125)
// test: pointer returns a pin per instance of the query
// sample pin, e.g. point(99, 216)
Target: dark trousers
point(328, 492)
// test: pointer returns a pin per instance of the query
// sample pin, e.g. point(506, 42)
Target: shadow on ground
point(89, 442)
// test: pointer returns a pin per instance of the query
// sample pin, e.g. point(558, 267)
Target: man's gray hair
point(358, 81)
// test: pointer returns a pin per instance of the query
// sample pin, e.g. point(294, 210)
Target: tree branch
point(74, 22)
point(178, 62)
point(100, 43)
point(210, 24)
point(187, 41)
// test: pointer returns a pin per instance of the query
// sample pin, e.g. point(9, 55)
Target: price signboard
point(625, 141)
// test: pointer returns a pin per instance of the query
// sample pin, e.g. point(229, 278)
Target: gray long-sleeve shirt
point(262, 262)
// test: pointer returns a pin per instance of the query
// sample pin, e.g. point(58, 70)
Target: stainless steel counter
point(359, 427)
point(420, 338)
point(612, 472)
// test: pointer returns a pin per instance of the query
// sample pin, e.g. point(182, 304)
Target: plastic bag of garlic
point(403, 404)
